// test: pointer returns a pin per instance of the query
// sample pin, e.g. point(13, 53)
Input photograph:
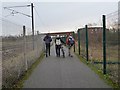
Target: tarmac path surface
point(68, 72)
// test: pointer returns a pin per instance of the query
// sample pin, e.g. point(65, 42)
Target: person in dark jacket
point(47, 40)
point(58, 43)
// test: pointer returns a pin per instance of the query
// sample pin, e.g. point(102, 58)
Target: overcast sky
point(58, 16)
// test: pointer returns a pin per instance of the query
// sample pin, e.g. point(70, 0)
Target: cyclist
point(58, 43)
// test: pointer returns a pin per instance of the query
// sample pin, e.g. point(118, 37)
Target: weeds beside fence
point(17, 56)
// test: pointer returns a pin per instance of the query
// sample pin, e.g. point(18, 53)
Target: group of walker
point(70, 41)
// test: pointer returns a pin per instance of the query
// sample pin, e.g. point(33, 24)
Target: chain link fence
point(17, 51)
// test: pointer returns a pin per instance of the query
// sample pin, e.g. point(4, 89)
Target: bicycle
point(63, 51)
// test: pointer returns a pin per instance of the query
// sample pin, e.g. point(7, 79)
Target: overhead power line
point(18, 6)
point(40, 20)
point(113, 14)
point(39, 16)
point(15, 12)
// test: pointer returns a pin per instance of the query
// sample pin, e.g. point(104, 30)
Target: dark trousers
point(58, 50)
point(69, 50)
point(47, 49)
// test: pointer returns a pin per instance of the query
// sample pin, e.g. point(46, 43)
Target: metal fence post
point(74, 38)
point(104, 44)
point(79, 41)
point(86, 30)
point(24, 37)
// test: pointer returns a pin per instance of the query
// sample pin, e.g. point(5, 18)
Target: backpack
point(58, 42)
point(71, 41)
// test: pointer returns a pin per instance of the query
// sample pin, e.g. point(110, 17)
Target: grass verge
point(19, 84)
point(100, 73)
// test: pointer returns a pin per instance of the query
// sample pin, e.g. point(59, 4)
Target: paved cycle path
point(68, 72)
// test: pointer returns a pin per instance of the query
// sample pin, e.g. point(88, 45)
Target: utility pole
point(32, 24)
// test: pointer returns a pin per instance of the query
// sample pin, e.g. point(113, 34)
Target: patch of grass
point(106, 77)
point(26, 75)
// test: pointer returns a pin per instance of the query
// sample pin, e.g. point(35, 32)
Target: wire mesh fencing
point(0, 53)
point(96, 51)
point(95, 46)
point(17, 52)
point(112, 45)
point(83, 43)
point(0, 63)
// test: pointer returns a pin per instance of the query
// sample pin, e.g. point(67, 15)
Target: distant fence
point(18, 54)
point(100, 48)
